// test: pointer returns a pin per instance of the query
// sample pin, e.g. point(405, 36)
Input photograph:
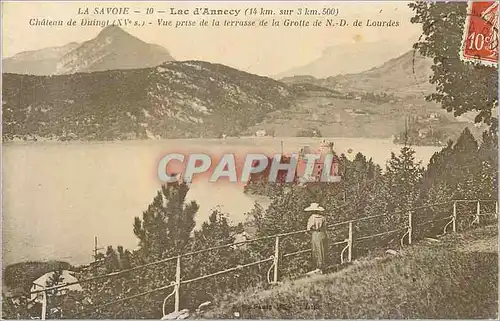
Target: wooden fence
point(346, 254)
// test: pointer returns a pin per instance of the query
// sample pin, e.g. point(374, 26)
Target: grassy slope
point(454, 278)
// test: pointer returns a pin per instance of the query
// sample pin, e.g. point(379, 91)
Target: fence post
point(276, 256)
point(177, 283)
point(409, 227)
point(349, 243)
point(454, 224)
point(478, 211)
point(44, 304)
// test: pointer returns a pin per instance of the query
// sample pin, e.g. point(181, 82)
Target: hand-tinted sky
point(264, 50)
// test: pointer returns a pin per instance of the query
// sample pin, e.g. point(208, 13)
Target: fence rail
point(349, 245)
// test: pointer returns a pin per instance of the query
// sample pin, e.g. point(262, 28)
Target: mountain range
point(174, 99)
point(348, 58)
point(37, 62)
point(406, 75)
point(111, 49)
point(116, 86)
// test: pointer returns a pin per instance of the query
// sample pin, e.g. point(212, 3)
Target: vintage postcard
point(249, 160)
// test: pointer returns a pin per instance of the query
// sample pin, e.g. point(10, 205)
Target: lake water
point(58, 196)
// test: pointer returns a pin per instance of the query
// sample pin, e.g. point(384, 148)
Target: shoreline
point(73, 167)
point(228, 139)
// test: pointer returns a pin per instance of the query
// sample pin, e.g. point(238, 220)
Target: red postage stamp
point(480, 39)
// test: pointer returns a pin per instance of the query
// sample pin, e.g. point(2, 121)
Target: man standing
point(317, 225)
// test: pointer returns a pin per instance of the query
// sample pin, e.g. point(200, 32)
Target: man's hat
point(314, 207)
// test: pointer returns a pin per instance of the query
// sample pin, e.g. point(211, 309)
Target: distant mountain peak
point(113, 31)
point(113, 48)
point(348, 58)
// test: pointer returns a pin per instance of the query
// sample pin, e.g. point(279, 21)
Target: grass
point(456, 277)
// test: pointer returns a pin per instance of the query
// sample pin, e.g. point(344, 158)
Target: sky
point(263, 50)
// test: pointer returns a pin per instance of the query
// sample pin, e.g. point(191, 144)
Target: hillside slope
point(404, 76)
point(368, 116)
point(37, 62)
point(456, 278)
point(176, 99)
point(375, 103)
point(348, 58)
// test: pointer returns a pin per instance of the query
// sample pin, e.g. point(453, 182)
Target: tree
point(217, 231)
point(309, 132)
point(403, 177)
point(15, 308)
point(163, 231)
point(53, 299)
point(397, 194)
point(461, 170)
point(124, 258)
point(166, 225)
point(488, 155)
point(453, 163)
point(466, 167)
point(111, 260)
point(460, 86)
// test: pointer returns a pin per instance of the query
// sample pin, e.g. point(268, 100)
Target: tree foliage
point(460, 86)
point(166, 225)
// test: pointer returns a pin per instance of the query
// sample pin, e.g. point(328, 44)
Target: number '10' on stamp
point(480, 39)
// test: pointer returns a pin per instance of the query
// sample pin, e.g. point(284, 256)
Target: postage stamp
point(480, 38)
